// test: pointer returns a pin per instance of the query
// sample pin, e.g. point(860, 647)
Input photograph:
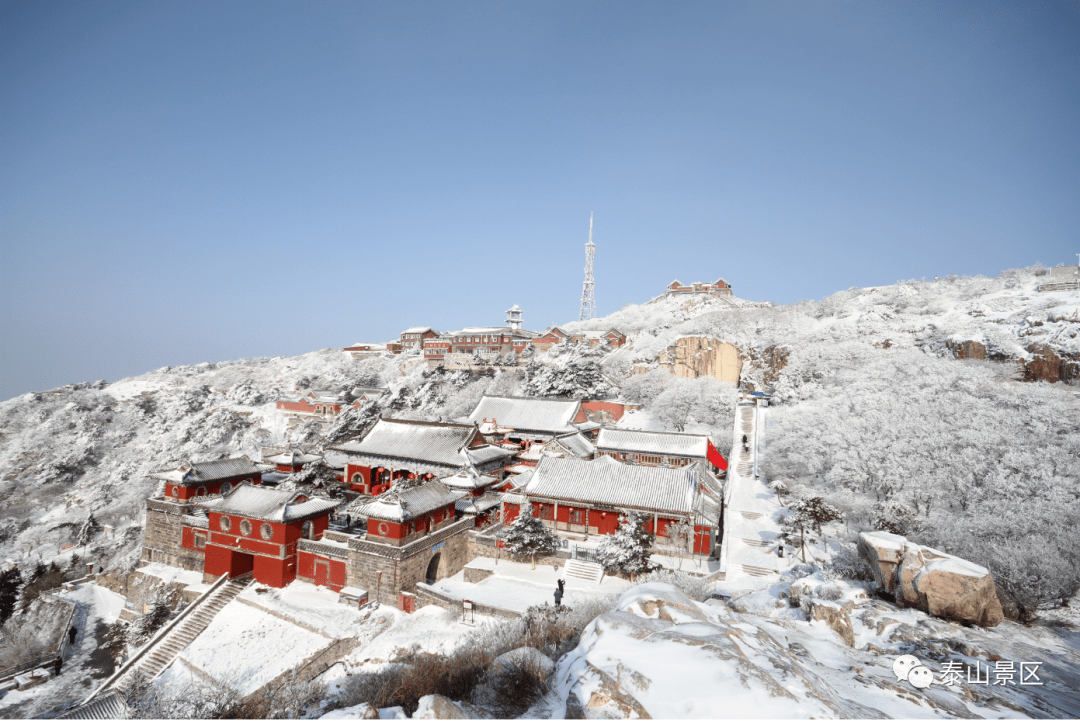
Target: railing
point(400, 553)
point(138, 655)
point(45, 658)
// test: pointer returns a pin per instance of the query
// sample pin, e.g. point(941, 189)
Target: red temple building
point(656, 448)
point(256, 530)
point(423, 450)
point(191, 480)
point(582, 499)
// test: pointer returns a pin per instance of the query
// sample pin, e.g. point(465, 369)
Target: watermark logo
point(1004, 673)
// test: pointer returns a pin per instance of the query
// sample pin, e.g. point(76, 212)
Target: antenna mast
point(588, 300)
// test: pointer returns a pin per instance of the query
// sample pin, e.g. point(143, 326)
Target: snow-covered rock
point(438, 707)
point(936, 582)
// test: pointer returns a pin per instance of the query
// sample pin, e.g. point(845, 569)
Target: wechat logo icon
point(910, 669)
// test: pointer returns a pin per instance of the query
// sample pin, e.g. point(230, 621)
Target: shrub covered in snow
point(628, 550)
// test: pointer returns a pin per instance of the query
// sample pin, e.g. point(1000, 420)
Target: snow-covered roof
point(536, 414)
point(417, 329)
point(468, 478)
point(667, 490)
point(369, 392)
point(292, 458)
point(426, 442)
point(468, 504)
point(575, 443)
point(366, 346)
point(267, 504)
point(405, 505)
point(653, 442)
point(208, 471)
point(324, 396)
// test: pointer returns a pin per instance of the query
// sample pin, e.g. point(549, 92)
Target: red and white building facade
point(189, 480)
point(421, 450)
point(583, 500)
point(251, 529)
point(719, 287)
point(655, 448)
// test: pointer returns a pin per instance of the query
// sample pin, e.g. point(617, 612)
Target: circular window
point(266, 531)
point(175, 492)
point(225, 523)
point(383, 529)
point(225, 488)
point(245, 527)
point(308, 530)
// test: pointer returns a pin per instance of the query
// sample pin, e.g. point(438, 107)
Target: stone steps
point(584, 570)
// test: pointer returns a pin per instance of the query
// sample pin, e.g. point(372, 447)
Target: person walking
point(72, 633)
point(558, 593)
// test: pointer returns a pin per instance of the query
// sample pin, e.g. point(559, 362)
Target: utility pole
point(588, 299)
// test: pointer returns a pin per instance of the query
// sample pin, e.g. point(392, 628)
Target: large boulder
point(933, 581)
point(438, 707)
point(882, 552)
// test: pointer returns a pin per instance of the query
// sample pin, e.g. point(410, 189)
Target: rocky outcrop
point(694, 357)
point(835, 617)
point(1046, 363)
point(930, 580)
point(972, 349)
point(1051, 366)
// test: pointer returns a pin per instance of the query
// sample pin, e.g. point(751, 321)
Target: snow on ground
point(85, 667)
point(172, 574)
point(311, 605)
point(516, 586)
point(246, 648)
point(431, 628)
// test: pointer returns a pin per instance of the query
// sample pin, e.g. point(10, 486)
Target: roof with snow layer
point(269, 504)
point(653, 442)
point(405, 505)
point(292, 458)
point(664, 490)
point(189, 473)
point(537, 414)
point(426, 442)
point(575, 443)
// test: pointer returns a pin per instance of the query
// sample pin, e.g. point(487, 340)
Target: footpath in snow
point(750, 532)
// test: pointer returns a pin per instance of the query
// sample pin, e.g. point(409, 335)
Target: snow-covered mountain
point(87, 447)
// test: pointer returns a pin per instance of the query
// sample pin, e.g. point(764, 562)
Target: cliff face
point(694, 357)
point(1046, 364)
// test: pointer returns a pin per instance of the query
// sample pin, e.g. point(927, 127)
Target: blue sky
point(182, 182)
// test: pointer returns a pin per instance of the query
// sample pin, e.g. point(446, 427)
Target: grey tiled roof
point(196, 473)
point(577, 444)
point(405, 505)
point(445, 444)
point(538, 414)
point(478, 505)
point(293, 458)
point(666, 490)
point(266, 504)
point(653, 443)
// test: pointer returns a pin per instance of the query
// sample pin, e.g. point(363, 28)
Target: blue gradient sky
point(182, 182)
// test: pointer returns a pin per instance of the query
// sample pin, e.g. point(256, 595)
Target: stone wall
point(428, 596)
point(163, 535)
point(694, 357)
point(403, 567)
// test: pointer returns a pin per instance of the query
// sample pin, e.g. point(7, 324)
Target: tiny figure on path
point(558, 593)
point(57, 665)
point(72, 633)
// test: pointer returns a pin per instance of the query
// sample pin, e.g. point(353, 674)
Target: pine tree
point(10, 583)
point(629, 549)
point(528, 536)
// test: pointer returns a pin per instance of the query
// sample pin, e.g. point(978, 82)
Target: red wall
point(615, 409)
point(328, 572)
point(185, 493)
point(187, 539)
point(512, 511)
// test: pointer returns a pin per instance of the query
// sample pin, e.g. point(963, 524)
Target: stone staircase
point(749, 532)
point(153, 658)
point(584, 570)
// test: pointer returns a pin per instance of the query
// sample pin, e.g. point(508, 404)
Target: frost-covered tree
point(629, 549)
point(352, 423)
point(806, 515)
point(580, 378)
point(528, 536)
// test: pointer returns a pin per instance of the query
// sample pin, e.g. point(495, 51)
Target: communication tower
point(588, 300)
